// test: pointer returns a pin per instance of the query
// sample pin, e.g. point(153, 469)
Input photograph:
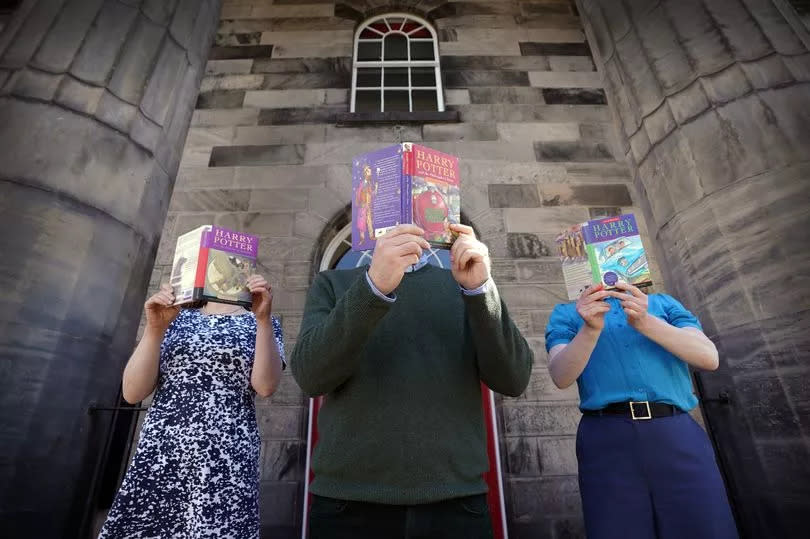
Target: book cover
point(604, 251)
point(404, 183)
point(212, 263)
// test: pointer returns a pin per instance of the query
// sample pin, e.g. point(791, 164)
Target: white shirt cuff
point(476, 291)
point(389, 299)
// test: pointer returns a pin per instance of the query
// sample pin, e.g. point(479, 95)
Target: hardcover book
point(405, 183)
point(213, 264)
point(604, 251)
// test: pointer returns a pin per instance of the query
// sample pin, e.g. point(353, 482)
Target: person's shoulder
point(338, 279)
point(662, 300)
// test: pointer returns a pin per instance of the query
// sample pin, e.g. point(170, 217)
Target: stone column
point(712, 101)
point(95, 102)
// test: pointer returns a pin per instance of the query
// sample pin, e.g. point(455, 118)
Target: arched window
point(396, 66)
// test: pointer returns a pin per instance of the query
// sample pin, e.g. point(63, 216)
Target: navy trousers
point(650, 479)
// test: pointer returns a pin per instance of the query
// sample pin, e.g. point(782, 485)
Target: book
point(404, 183)
point(212, 263)
point(604, 251)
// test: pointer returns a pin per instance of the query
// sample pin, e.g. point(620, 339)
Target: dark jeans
point(463, 518)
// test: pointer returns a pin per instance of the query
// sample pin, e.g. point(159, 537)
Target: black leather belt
point(636, 410)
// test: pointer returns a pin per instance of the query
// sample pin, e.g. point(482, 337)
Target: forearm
point(266, 373)
point(504, 357)
point(141, 372)
point(566, 364)
point(332, 337)
point(688, 344)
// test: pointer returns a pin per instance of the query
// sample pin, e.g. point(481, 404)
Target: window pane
point(368, 76)
point(396, 47)
point(425, 100)
point(368, 51)
point(410, 26)
point(424, 32)
point(367, 101)
point(421, 50)
point(380, 27)
point(395, 23)
point(396, 76)
point(369, 34)
point(396, 100)
point(423, 76)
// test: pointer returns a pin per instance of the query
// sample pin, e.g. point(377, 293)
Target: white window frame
point(382, 64)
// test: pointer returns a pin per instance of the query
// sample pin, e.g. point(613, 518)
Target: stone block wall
point(536, 142)
point(95, 100)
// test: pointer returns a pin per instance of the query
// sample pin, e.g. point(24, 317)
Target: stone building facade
point(693, 115)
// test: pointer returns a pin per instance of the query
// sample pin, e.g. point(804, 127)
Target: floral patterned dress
point(195, 473)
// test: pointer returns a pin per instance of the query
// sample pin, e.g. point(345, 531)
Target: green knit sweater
point(402, 421)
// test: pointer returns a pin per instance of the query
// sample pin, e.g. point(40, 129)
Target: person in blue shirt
point(646, 468)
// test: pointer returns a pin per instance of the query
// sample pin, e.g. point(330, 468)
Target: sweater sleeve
point(333, 334)
point(504, 357)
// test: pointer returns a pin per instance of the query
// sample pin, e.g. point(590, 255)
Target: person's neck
point(221, 308)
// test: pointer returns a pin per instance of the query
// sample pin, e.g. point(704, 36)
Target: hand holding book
point(261, 294)
point(592, 307)
point(397, 249)
point(634, 303)
point(469, 258)
point(160, 312)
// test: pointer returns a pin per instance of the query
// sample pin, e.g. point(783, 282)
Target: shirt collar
point(423, 260)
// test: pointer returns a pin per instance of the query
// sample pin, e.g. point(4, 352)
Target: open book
point(213, 264)
point(405, 183)
point(603, 251)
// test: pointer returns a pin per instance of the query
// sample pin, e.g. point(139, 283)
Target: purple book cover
point(376, 195)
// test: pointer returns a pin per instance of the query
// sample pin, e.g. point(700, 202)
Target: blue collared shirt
point(626, 365)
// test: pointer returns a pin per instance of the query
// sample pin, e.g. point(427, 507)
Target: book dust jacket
point(212, 263)
point(604, 251)
point(404, 183)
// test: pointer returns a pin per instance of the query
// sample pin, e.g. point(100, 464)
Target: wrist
point(590, 331)
point(154, 331)
point(265, 320)
point(377, 282)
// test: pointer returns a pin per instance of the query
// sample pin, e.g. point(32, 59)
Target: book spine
point(407, 184)
point(202, 267)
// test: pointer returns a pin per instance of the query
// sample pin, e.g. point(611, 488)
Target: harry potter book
point(213, 264)
point(604, 251)
point(405, 183)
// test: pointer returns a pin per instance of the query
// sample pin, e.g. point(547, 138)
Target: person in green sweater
point(399, 350)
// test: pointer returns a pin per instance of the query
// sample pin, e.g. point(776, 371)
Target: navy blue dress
point(195, 472)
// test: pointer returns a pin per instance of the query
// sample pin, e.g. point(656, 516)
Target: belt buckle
point(633, 410)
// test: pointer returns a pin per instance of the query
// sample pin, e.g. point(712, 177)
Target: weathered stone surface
point(227, 67)
point(572, 151)
point(129, 77)
point(462, 131)
point(585, 195)
point(536, 456)
point(513, 196)
point(574, 96)
point(57, 50)
point(241, 52)
point(531, 113)
point(88, 200)
point(232, 82)
point(101, 46)
point(517, 63)
point(220, 117)
point(506, 94)
point(221, 99)
point(523, 245)
point(271, 154)
point(530, 48)
point(470, 78)
point(566, 79)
